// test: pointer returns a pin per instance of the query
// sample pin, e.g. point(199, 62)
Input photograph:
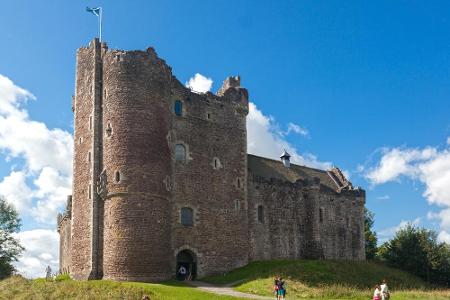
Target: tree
point(371, 236)
point(10, 247)
point(417, 251)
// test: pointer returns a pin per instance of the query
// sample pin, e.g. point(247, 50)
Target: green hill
point(19, 288)
point(327, 280)
point(306, 279)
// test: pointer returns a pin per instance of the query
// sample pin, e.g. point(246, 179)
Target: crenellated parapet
point(66, 215)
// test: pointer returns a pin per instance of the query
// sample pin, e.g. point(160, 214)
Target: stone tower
point(129, 188)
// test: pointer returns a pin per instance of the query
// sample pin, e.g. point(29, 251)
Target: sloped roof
point(269, 168)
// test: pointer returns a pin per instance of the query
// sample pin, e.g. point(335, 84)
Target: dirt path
point(224, 290)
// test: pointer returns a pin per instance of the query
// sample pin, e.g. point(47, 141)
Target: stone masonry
point(162, 179)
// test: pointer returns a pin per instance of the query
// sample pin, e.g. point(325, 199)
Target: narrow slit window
point(108, 130)
point(178, 108)
point(260, 214)
point(90, 122)
point(321, 215)
point(216, 163)
point(187, 216)
point(89, 156)
point(90, 192)
point(237, 204)
point(117, 176)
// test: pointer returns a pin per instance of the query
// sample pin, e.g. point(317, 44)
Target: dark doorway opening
point(186, 265)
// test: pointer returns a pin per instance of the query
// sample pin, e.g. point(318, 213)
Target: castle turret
point(137, 160)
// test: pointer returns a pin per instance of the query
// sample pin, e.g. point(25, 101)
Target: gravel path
point(223, 290)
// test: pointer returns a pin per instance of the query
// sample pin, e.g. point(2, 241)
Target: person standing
point(281, 290)
point(377, 293)
point(384, 290)
point(275, 286)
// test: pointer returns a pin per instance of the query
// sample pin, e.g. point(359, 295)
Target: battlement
point(124, 61)
point(66, 215)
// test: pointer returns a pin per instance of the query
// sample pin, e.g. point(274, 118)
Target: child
point(377, 293)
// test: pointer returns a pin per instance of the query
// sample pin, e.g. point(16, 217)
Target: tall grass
point(19, 288)
point(322, 279)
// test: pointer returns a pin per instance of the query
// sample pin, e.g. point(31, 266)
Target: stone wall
point(64, 230)
point(304, 219)
point(83, 208)
point(212, 179)
point(137, 160)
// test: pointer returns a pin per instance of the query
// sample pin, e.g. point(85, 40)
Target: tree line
point(412, 249)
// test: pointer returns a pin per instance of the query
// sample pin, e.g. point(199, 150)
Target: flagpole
point(100, 24)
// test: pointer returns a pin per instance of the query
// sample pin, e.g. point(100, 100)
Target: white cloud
point(39, 187)
point(264, 139)
point(448, 140)
point(388, 233)
point(41, 250)
point(199, 83)
point(444, 237)
point(384, 197)
point(16, 191)
point(396, 162)
point(296, 129)
point(430, 166)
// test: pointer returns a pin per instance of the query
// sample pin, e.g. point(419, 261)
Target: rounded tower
point(136, 162)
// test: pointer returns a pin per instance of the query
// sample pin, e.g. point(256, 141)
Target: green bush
point(62, 277)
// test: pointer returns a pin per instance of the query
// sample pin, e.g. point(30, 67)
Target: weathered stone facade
point(162, 179)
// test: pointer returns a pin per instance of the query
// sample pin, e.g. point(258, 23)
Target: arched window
point(260, 214)
point(178, 108)
point(117, 175)
point(180, 152)
point(187, 216)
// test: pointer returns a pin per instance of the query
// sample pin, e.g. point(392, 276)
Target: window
point(216, 163)
point(178, 108)
point(90, 122)
point(108, 130)
point(89, 192)
point(180, 153)
point(260, 214)
point(321, 215)
point(187, 216)
point(237, 205)
point(239, 183)
point(117, 175)
point(89, 156)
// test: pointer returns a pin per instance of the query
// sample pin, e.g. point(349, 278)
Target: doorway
point(186, 265)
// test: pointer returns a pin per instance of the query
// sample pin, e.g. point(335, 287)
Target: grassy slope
point(20, 288)
point(327, 280)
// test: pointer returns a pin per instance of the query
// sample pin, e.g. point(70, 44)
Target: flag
point(95, 11)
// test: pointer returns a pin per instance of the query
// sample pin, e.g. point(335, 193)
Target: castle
point(163, 184)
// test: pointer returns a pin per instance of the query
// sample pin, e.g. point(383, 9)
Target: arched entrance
point(186, 265)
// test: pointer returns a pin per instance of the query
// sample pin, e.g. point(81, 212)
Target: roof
point(269, 168)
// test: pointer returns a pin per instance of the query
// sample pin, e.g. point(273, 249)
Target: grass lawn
point(20, 288)
point(327, 280)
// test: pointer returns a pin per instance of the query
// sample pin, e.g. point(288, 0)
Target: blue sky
point(368, 80)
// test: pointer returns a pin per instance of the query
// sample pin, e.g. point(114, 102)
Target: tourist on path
point(280, 288)
point(384, 290)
